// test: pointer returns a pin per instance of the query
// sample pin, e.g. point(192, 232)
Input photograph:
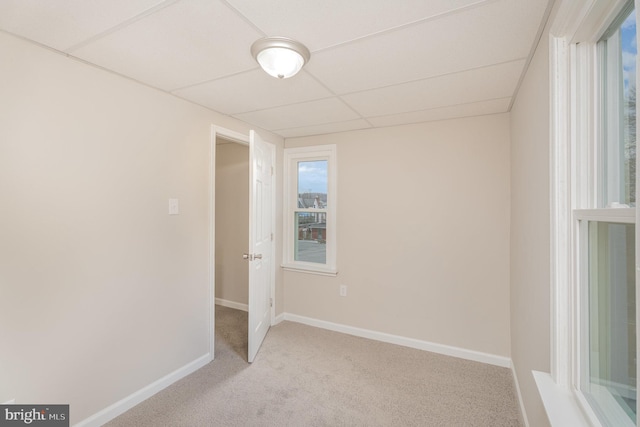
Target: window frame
point(576, 194)
point(292, 156)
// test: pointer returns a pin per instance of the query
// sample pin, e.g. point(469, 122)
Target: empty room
point(293, 212)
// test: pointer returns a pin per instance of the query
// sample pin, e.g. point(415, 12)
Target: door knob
point(257, 256)
point(247, 256)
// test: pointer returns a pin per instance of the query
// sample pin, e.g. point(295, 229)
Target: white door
point(260, 240)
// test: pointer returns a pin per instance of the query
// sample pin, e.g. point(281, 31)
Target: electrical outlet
point(343, 290)
point(174, 207)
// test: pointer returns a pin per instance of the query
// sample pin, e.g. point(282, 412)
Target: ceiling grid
point(373, 64)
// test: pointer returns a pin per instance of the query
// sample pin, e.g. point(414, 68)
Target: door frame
point(240, 138)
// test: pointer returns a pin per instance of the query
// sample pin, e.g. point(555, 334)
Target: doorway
point(259, 250)
point(232, 224)
point(232, 233)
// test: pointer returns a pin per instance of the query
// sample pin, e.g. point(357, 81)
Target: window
point(617, 54)
point(594, 210)
point(310, 209)
point(606, 236)
point(608, 368)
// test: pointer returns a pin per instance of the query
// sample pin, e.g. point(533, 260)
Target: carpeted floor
point(304, 376)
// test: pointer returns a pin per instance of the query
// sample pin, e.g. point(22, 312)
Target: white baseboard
point(520, 400)
point(10, 402)
point(279, 318)
point(232, 304)
point(143, 394)
point(461, 353)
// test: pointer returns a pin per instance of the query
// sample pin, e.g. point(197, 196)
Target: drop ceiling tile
point(324, 129)
point(442, 113)
point(496, 32)
point(254, 90)
point(64, 23)
point(298, 115)
point(189, 42)
point(418, 60)
point(319, 24)
point(498, 81)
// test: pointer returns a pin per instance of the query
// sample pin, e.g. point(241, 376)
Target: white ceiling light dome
point(280, 57)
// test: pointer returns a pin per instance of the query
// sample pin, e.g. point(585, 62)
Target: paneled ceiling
point(373, 63)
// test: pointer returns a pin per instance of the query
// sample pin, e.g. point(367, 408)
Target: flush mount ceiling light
point(279, 56)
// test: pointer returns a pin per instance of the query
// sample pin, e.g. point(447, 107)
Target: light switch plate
point(174, 207)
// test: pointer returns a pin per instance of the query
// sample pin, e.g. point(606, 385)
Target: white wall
point(101, 291)
point(232, 222)
point(530, 232)
point(423, 234)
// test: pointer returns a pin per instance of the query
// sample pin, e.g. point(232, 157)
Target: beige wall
point(232, 222)
point(423, 234)
point(101, 291)
point(530, 232)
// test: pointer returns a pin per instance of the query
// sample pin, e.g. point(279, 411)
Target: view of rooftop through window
point(311, 220)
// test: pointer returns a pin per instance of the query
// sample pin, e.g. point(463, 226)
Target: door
point(260, 255)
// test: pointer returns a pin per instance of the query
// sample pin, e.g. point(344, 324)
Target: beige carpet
point(304, 376)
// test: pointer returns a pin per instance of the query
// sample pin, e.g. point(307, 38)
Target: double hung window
point(606, 235)
point(604, 361)
point(310, 209)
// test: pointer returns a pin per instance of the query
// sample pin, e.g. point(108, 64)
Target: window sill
point(310, 270)
point(561, 406)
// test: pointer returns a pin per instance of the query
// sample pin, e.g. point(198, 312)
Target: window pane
point(311, 237)
point(609, 375)
point(619, 153)
point(312, 184)
point(629, 54)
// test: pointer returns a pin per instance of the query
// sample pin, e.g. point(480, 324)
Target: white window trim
point(575, 21)
point(291, 157)
point(620, 215)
